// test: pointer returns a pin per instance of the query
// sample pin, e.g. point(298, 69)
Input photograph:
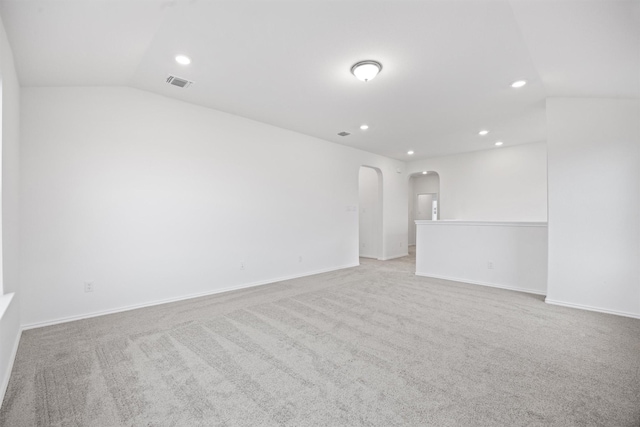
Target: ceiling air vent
point(343, 133)
point(178, 81)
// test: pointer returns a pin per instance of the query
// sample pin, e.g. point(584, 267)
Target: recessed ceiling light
point(364, 127)
point(410, 152)
point(483, 132)
point(366, 70)
point(183, 60)
point(424, 172)
point(518, 83)
point(499, 143)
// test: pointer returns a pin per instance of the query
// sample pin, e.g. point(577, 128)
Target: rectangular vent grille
point(343, 133)
point(178, 81)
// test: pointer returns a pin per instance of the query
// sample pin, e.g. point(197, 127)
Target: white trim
point(481, 223)
point(591, 308)
point(475, 282)
point(393, 257)
point(368, 256)
point(180, 298)
point(12, 359)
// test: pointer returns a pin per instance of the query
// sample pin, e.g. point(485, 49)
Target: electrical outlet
point(241, 265)
point(490, 265)
point(88, 286)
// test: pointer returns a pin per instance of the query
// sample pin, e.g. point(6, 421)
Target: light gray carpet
point(367, 346)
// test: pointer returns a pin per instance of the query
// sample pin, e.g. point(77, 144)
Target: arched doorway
point(370, 212)
point(424, 190)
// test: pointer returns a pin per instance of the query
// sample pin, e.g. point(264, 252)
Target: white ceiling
point(447, 64)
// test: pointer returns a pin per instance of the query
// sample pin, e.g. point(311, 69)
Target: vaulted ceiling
point(447, 65)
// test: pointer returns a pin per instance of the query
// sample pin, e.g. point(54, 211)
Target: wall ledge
point(5, 302)
point(483, 223)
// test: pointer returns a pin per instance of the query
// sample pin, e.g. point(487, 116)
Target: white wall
point(594, 204)
point(10, 167)
point(156, 199)
point(420, 184)
point(499, 254)
point(501, 184)
point(369, 216)
point(9, 250)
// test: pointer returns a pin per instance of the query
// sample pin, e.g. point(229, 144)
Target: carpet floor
point(373, 345)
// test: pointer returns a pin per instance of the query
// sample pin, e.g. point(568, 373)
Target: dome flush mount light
point(424, 172)
point(483, 132)
point(410, 152)
point(498, 144)
point(364, 127)
point(366, 70)
point(518, 83)
point(183, 60)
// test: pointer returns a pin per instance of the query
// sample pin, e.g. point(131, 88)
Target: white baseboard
point(7, 377)
point(394, 256)
point(591, 308)
point(181, 298)
point(475, 282)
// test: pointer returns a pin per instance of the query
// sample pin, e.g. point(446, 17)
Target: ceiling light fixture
point(183, 60)
point(410, 152)
point(499, 143)
point(518, 83)
point(424, 172)
point(364, 127)
point(366, 70)
point(483, 132)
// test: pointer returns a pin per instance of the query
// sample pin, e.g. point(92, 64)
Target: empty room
point(320, 213)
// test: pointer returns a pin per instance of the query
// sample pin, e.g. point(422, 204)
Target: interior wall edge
point(10, 333)
point(387, 258)
point(480, 283)
point(591, 308)
point(7, 377)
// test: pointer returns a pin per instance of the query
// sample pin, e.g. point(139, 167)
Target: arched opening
point(424, 200)
point(370, 212)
